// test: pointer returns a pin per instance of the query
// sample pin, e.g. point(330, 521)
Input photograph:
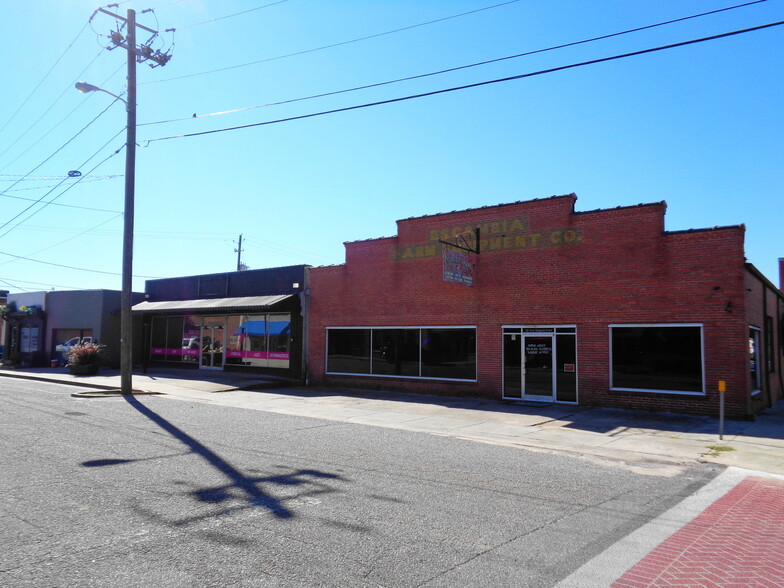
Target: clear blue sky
point(699, 126)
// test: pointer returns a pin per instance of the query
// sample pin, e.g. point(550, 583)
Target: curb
point(56, 381)
point(110, 393)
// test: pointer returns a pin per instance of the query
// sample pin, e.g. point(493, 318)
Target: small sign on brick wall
point(458, 267)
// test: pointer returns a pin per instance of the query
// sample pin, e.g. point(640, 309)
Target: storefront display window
point(436, 353)
point(259, 340)
point(166, 339)
point(396, 352)
point(348, 351)
point(659, 358)
point(449, 353)
point(191, 338)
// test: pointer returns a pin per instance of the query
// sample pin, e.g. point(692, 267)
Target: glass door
point(212, 339)
point(513, 365)
point(538, 368)
point(540, 363)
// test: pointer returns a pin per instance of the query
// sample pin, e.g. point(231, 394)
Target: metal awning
point(242, 303)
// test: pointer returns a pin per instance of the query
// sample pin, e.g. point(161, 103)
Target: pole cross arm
point(144, 52)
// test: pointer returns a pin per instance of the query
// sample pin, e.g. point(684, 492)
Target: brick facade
point(543, 264)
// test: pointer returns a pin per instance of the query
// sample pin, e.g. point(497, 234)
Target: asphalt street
point(143, 491)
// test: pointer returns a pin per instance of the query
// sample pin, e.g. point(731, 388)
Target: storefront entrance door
point(212, 341)
point(540, 364)
point(538, 368)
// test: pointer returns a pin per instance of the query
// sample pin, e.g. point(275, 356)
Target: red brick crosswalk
point(737, 541)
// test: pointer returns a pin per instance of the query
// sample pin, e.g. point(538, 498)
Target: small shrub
point(85, 353)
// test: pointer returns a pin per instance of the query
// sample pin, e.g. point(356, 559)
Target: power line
point(61, 193)
point(474, 85)
point(84, 232)
point(264, 245)
point(224, 17)
point(68, 88)
point(15, 286)
point(461, 67)
point(81, 269)
point(29, 178)
point(90, 208)
point(46, 75)
point(36, 283)
point(305, 51)
point(84, 128)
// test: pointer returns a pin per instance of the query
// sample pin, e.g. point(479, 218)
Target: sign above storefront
point(502, 235)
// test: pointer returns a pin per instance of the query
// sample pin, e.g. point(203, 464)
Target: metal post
point(126, 331)
point(722, 388)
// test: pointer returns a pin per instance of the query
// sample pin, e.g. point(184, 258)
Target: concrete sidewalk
point(653, 443)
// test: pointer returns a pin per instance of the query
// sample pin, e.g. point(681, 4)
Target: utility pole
point(141, 54)
point(238, 250)
point(126, 296)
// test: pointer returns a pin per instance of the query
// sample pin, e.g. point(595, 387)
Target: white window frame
point(653, 325)
point(387, 327)
point(543, 330)
point(756, 387)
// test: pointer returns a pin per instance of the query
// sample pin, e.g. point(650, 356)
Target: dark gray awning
point(245, 302)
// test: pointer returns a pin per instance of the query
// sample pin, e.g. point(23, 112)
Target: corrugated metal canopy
point(246, 302)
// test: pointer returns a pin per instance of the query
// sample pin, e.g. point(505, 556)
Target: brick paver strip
point(736, 541)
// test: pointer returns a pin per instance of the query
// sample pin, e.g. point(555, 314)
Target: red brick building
point(602, 307)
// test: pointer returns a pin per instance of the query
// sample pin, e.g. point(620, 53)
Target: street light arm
point(84, 87)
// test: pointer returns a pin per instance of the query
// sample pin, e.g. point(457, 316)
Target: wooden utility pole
point(239, 254)
point(126, 296)
point(141, 53)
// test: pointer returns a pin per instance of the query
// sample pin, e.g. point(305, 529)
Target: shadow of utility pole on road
point(250, 487)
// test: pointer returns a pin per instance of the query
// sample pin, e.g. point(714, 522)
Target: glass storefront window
point(442, 353)
point(248, 336)
point(754, 363)
point(258, 340)
point(191, 338)
point(449, 353)
point(158, 338)
point(234, 340)
point(174, 347)
point(348, 351)
point(279, 339)
point(396, 352)
point(666, 358)
point(166, 338)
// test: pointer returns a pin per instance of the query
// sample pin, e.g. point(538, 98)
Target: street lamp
point(126, 295)
point(84, 87)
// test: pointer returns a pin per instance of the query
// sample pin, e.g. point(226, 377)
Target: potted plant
point(85, 358)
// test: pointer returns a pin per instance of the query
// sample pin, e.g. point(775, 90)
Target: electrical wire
point(458, 68)
point(27, 178)
point(90, 208)
point(68, 88)
point(264, 245)
point(224, 17)
point(474, 85)
point(45, 204)
point(84, 128)
point(3, 280)
point(84, 232)
point(46, 75)
point(305, 51)
point(14, 286)
point(81, 269)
